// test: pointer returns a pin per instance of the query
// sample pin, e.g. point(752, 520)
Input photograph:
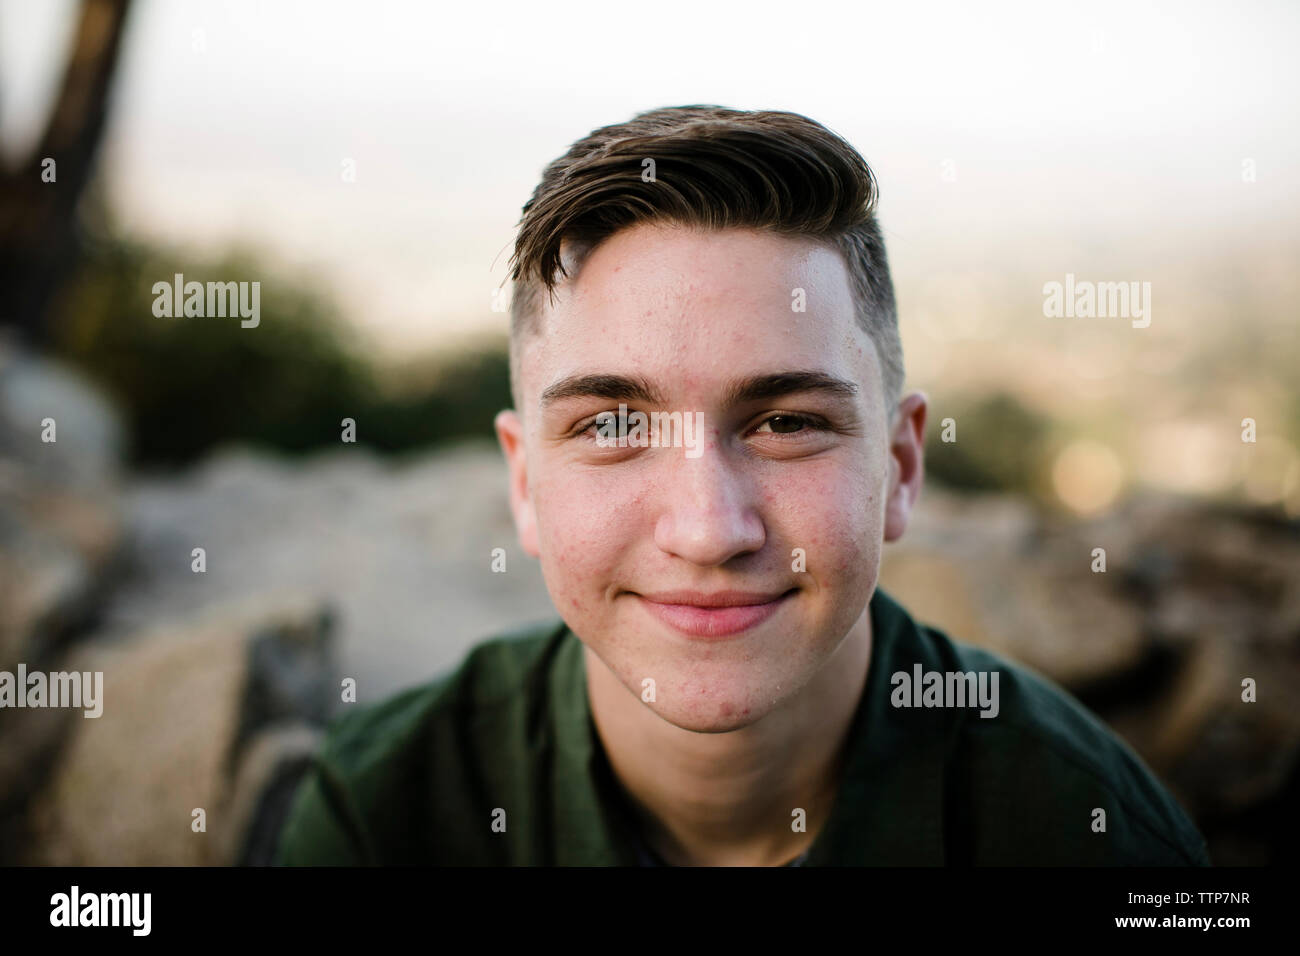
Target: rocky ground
point(345, 564)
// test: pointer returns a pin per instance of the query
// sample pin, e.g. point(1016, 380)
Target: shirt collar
point(592, 826)
point(889, 808)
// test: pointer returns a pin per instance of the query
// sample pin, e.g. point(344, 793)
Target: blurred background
point(367, 165)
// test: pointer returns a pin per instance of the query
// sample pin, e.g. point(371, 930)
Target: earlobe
point(907, 468)
point(510, 434)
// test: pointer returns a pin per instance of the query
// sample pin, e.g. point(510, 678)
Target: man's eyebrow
point(626, 388)
point(629, 388)
point(776, 384)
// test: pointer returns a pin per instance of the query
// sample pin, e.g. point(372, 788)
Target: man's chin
point(705, 716)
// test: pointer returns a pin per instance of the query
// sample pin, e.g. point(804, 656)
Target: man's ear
point(510, 432)
point(906, 464)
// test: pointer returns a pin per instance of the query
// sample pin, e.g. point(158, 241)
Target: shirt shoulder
point(1044, 781)
point(387, 773)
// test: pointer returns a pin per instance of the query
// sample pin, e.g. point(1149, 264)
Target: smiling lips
point(719, 614)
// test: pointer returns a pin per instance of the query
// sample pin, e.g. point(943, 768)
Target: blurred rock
point(60, 522)
point(29, 747)
point(197, 715)
point(61, 535)
point(988, 572)
point(58, 556)
point(401, 550)
point(269, 772)
point(88, 450)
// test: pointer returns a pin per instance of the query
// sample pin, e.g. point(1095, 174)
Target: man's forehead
point(683, 283)
point(644, 301)
point(661, 255)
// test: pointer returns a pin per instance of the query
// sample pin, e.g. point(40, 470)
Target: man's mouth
point(716, 614)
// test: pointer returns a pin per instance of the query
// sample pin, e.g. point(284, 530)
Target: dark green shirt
point(419, 778)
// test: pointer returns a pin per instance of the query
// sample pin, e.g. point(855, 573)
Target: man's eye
point(611, 423)
point(789, 424)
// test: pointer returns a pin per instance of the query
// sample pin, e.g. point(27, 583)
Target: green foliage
point(188, 384)
point(1001, 446)
point(461, 398)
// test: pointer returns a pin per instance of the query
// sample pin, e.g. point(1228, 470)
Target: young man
point(709, 447)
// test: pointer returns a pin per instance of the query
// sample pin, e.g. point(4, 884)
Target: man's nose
point(708, 508)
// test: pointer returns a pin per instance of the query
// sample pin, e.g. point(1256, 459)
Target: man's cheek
point(853, 546)
point(834, 538)
point(573, 539)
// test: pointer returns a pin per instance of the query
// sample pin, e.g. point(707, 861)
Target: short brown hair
point(715, 168)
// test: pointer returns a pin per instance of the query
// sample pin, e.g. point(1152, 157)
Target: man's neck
point(728, 799)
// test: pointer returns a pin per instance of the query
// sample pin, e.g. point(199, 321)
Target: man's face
point(788, 494)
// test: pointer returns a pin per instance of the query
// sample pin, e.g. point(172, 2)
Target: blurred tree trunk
point(38, 238)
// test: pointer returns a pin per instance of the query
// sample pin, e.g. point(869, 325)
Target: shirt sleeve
point(322, 828)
